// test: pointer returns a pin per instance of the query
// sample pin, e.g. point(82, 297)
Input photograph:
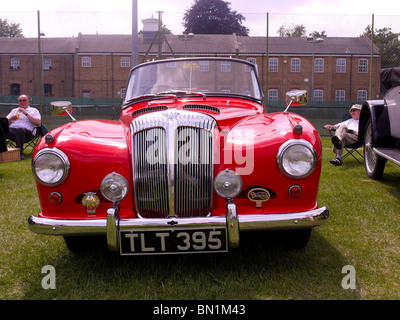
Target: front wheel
point(373, 163)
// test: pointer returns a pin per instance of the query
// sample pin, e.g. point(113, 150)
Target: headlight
point(228, 184)
point(297, 158)
point(114, 187)
point(50, 166)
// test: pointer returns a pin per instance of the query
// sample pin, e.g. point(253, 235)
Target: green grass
point(363, 231)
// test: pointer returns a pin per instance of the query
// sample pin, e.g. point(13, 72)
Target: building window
point(318, 95)
point(225, 66)
point(272, 95)
point(341, 65)
point(251, 60)
point(319, 65)
point(361, 95)
point(273, 65)
point(14, 64)
point(125, 62)
point(123, 92)
point(363, 66)
point(295, 65)
point(46, 64)
point(204, 66)
point(15, 89)
point(48, 90)
point(86, 62)
point(86, 94)
point(340, 95)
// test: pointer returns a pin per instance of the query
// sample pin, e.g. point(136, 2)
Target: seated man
point(346, 133)
point(22, 121)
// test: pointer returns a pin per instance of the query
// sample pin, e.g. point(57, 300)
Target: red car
point(194, 161)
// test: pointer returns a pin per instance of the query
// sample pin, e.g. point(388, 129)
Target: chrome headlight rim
point(113, 183)
point(64, 166)
point(223, 184)
point(284, 148)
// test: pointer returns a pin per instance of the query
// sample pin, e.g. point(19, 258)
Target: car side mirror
point(295, 98)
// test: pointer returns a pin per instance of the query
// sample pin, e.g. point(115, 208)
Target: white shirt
point(23, 121)
point(351, 124)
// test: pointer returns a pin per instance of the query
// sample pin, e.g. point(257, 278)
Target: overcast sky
point(91, 16)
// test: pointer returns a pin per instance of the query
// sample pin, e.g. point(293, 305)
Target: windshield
point(207, 76)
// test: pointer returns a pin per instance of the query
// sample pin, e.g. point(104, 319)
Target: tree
point(296, 31)
point(389, 44)
point(10, 30)
point(213, 17)
point(317, 34)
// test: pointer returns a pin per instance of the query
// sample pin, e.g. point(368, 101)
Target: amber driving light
point(114, 187)
point(228, 184)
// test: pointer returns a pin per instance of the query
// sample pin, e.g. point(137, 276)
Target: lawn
point(363, 232)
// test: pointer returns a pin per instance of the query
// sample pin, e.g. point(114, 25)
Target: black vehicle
point(379, 126)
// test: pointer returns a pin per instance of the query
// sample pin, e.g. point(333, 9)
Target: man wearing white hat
point(346, 133)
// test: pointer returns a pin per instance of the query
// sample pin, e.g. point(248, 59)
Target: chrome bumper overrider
point(111, 226)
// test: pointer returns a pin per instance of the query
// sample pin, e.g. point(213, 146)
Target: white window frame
point(273, 95)
point(273, 65)
point(123, 93)
point(46, 64)
point(253, 61)
point(86, 62)
point(125, 62)
point(14, 63)
point(318, 95)
point(340, 65)
point(295, 65)
point(204, 66)
point(340, 95)
point(318, 65)
point(363, 66)
point(225, 66)
point(362, 95)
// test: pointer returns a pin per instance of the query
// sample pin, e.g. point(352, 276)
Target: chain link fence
point(385, 35)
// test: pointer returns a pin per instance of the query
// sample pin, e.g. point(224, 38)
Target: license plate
point(173, 241)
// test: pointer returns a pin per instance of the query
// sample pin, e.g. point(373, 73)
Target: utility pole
point(135, 48)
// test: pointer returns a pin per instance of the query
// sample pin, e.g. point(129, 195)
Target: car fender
point(377, 111)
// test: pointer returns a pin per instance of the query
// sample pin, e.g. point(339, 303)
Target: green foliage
point(389, 44)
point(213, 17)
point(10, 30)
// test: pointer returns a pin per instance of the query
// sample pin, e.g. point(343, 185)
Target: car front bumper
point(234, 223)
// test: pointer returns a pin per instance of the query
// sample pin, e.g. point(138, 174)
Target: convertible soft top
point(390, 77)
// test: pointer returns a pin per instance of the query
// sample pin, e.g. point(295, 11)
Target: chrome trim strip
point(252, 222)
point(112, 228)
point(233, 225)
point(60, 227)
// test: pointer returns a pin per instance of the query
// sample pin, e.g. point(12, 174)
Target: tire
point(373, 163)
point(82, 244)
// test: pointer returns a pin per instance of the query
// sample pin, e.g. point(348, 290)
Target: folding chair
point(351, 149)
point(40, 132)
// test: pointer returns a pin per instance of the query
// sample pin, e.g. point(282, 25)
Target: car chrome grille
point(172, 154)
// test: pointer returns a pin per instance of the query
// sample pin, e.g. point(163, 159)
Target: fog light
point(114, 187)
point(295, 191)
point(228, 184)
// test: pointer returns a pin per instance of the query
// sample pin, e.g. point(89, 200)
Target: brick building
point(99, 65)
